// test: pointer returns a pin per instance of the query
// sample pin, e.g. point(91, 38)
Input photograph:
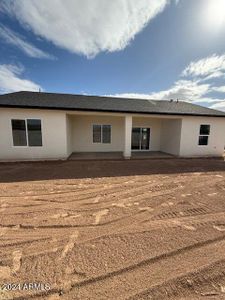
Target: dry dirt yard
point(141, 229)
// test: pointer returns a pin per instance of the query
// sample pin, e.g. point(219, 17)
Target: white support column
point(127, 137)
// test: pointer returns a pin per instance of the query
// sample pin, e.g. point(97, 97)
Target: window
point(106, 134)
point(203, 140)
point(34, 132)
point(19, 132)
point(27, 132)
point(96, 133)
point(204, 135)
point(204, 129)
point(102, 134)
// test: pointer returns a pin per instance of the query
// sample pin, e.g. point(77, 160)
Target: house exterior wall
point(190, 134)
point(53, 135)
point(69, 134)
point(82, 138)
point(171, 136)
point(155, 130)
point(64, 132)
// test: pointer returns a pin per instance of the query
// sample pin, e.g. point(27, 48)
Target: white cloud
point(87, 27)
point(200, 83)
point(209, 67)
point(131, 95)
point(220, 89)
point(208, 100)
point(15, 39)
point(182, 89)
point(10, 80)
point(214, 75)
point(219, 105)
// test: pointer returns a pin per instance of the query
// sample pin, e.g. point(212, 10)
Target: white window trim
point(101, 142)
point(25, 119)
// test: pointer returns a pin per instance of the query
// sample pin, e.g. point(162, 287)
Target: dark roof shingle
point(103, 104)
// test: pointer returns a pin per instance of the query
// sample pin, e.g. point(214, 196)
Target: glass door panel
point(145, 134)
point(136, 137)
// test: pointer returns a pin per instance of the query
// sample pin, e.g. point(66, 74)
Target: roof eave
point(111, 111)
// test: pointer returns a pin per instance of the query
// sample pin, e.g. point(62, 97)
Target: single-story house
point(38, 126)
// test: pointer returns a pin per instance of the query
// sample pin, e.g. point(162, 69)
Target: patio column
point(127, 137)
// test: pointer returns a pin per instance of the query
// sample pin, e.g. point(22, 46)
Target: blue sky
point(156, 49)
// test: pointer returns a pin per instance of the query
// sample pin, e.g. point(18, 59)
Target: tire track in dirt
point(162, 187)
point(122, 192)
point(98, 235)
point(136, 193)
point(189, 222)
point(144, 263)
point(23, 242)
point(152, 260)
point(34, 253)
point(111, 191)
point(149, 193)
point(124, 224)
point(179, 214)
point(76, 191)
point(187, 285)
point(122, 272)
point(90, 225)
point(115, 194)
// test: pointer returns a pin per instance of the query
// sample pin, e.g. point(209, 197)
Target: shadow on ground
point(50, 170)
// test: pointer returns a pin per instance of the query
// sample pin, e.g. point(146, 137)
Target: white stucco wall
point(69, 134)
point(65, 132)
point(155, 130)
point(82, 134)
point(54, 136)
point(190, 135)
point(170, 136)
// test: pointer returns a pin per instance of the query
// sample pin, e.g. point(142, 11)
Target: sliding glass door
point(140, 138)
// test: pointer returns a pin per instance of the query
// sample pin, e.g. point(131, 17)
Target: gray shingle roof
point(103, 104)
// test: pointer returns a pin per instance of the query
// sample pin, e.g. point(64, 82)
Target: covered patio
point(107, 136)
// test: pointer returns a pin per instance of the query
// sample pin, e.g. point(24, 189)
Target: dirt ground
point(147, 229)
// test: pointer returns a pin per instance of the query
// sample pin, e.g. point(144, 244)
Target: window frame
point(28, 132)
point(93, 133)
point(25, 119)
point(101, 137)
point(208, 125)
point(18, 119)
point(110, 135)
point(204, 135)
